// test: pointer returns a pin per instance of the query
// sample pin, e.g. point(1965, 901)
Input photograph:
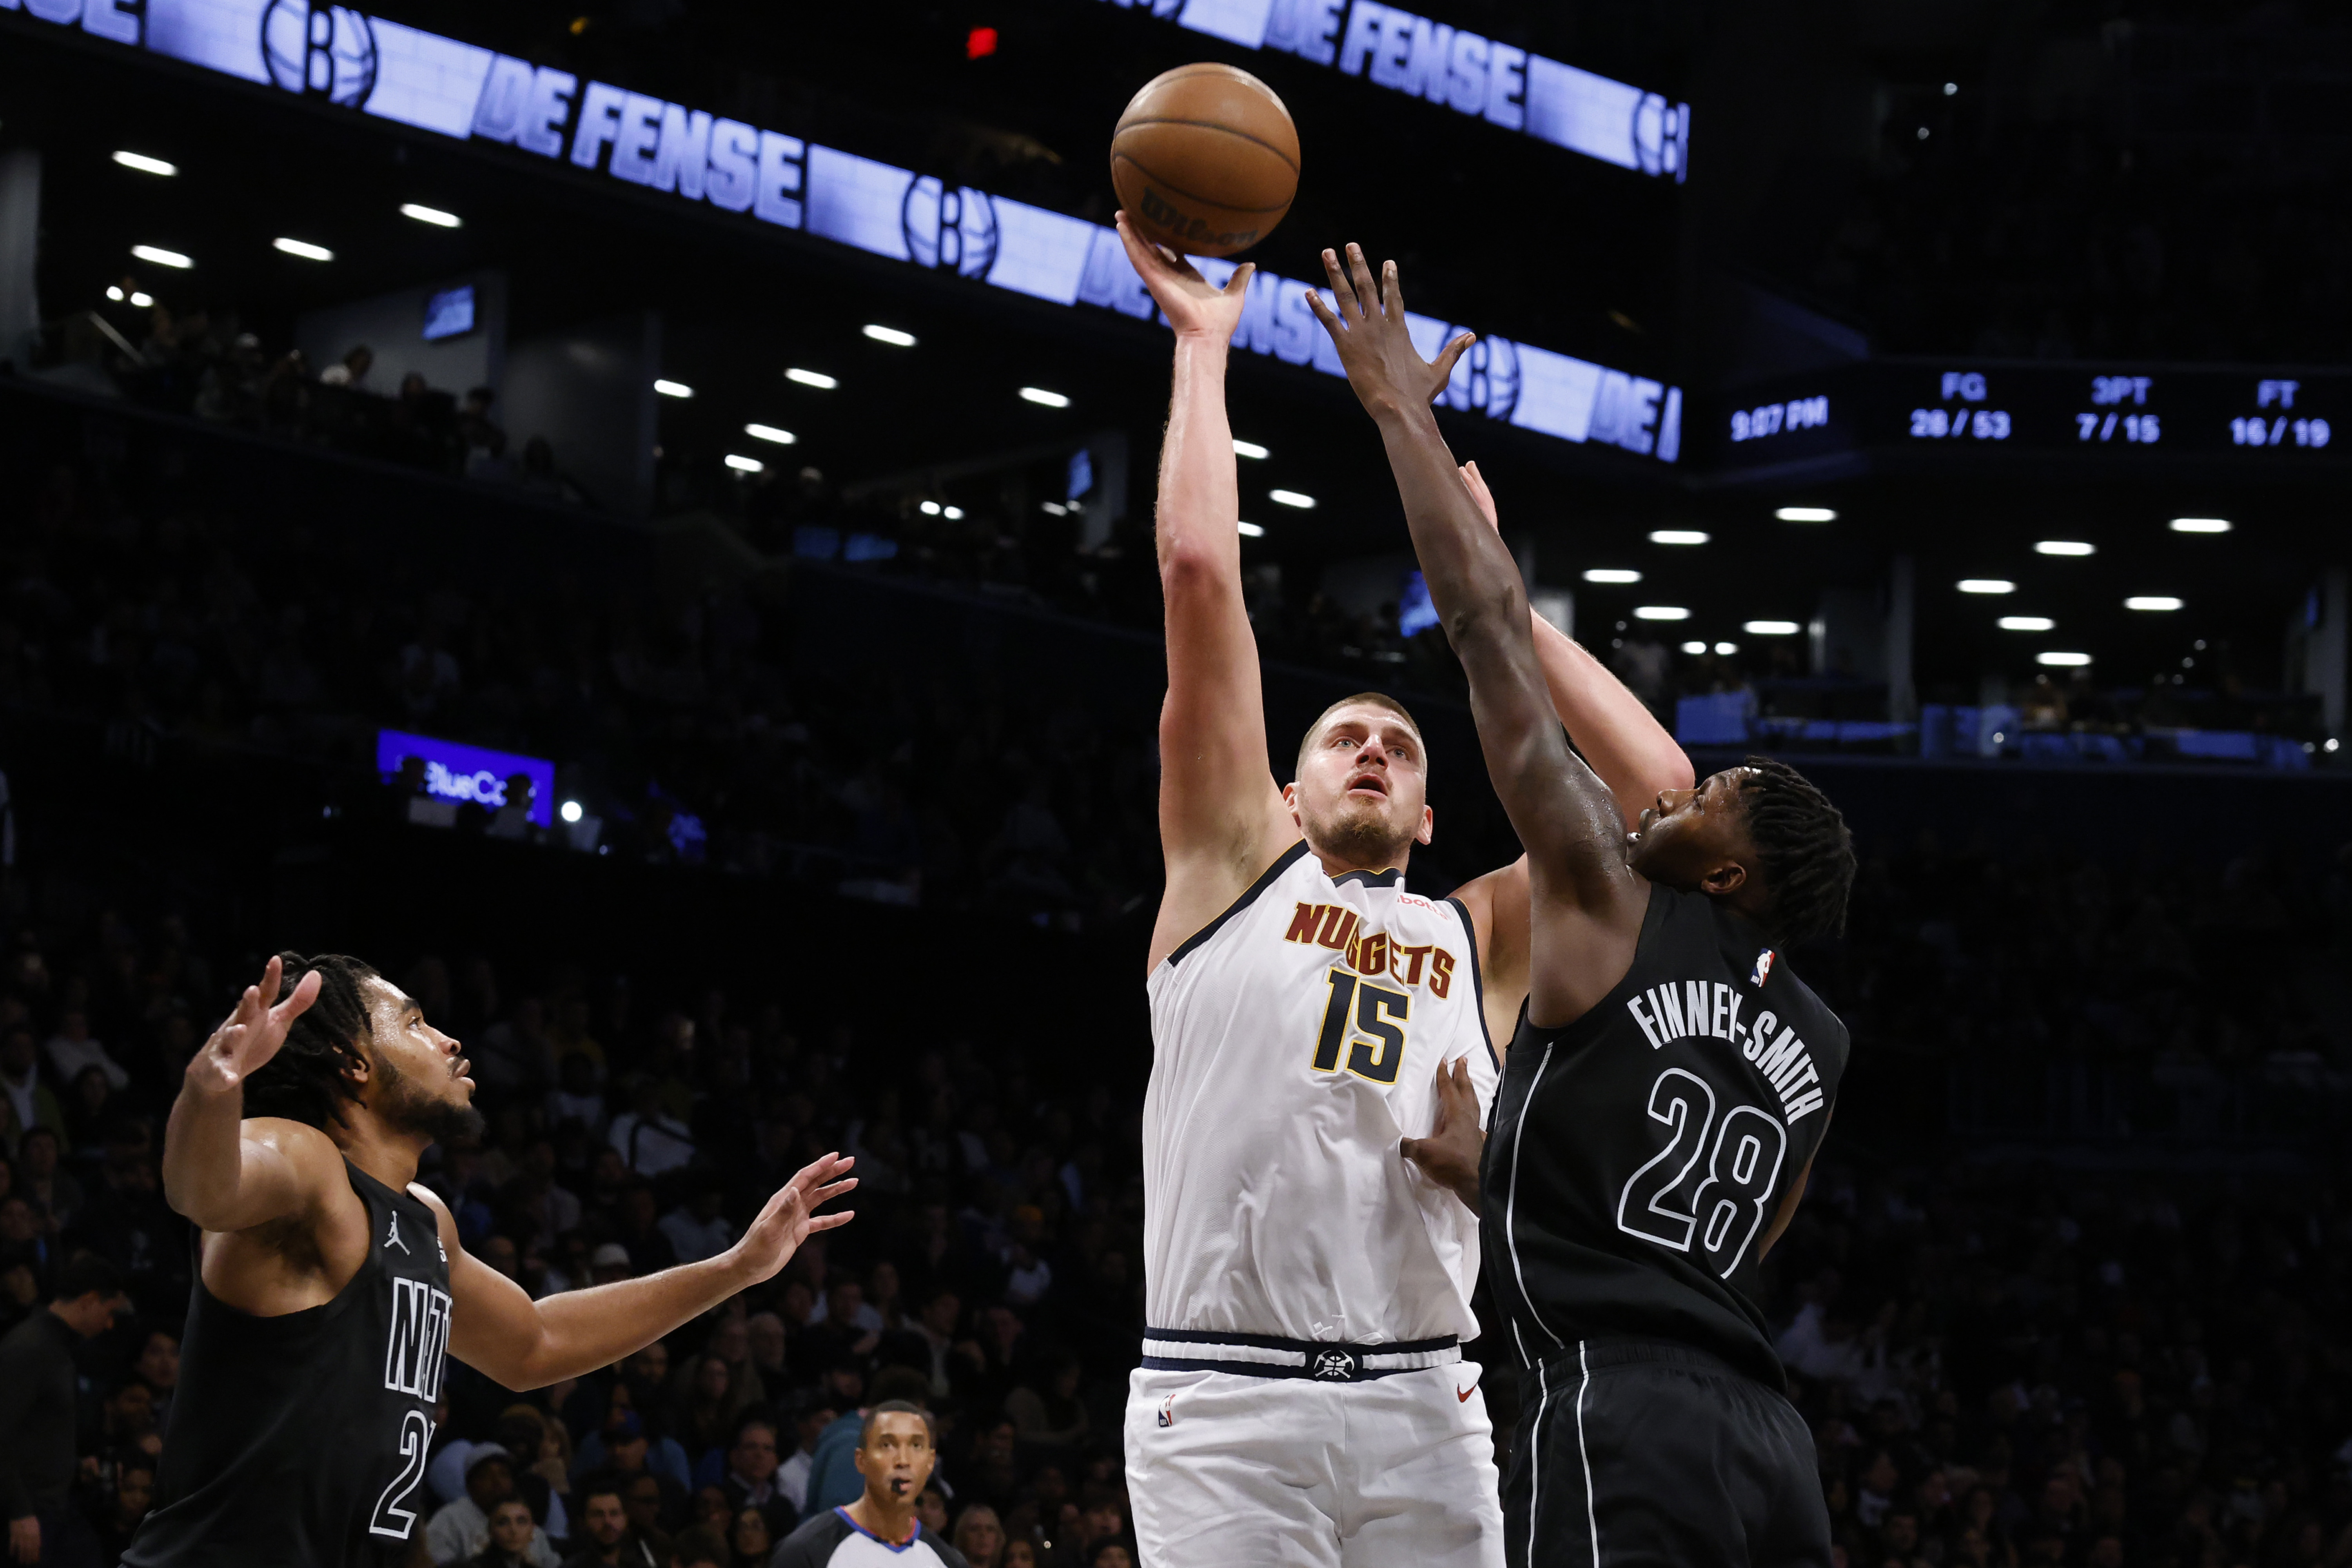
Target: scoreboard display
point(1967, 414)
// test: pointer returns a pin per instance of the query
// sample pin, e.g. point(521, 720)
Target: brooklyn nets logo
point(950, 227)
point(320, 51)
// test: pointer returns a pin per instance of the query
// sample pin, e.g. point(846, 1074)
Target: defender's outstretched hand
point(1193, 306)
point(791, 1217)
point(1449, 1155)
point(1367, 327)
point(249, 1037)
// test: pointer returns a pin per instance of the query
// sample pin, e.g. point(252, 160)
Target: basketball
point(1205, 160)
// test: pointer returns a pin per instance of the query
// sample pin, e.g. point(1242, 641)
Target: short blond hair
point(1360, 699)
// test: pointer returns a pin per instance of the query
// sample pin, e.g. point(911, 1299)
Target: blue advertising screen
point(450, 314)
point(454, 771)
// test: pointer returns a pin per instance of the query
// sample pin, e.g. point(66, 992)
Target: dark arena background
point(741, 423)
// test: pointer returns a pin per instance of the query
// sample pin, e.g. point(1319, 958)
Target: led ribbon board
point(337, 55)
point(1476, 77)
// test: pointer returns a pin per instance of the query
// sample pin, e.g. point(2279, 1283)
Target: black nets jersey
point(303, 1440)
point(1636, 1157)
point(833, 1540)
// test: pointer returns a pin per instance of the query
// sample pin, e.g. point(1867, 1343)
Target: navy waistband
point(1270, 1355)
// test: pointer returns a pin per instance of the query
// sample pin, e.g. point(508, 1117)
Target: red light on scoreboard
point(981, 42)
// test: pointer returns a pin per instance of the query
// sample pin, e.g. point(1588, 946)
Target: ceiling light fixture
point(1986, 585)
point(770, 433)
point(1660, 613)
point(433, 216)
point(1806, 514)
point(1612, 575)
point(146, 165)
point(815, 378)
point(891, 335)
point(1770, 629)
point(161, 257)
point(1040, 395)
point(2064, 547)
point(673, 389)
point(1677, 536)
point(303, 248)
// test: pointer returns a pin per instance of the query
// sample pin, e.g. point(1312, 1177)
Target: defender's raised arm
point(1222, 819)
point(1584, 893)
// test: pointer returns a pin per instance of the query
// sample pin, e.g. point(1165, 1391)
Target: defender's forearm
point(203, 1159)
point(1614, 730)
point(581, 1331)
point(1473, 581)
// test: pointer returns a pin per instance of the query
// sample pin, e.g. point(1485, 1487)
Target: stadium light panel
point(1677, 536)
point(770, 433)
point(891, 335)
point(570, 811)
point(1770, 629)
point(1693, 647)
point(1727, 648)
point(1807, 514)
point(1612, 575)
point(433, 216)
point(303, 248)
point(1251, 530)
point(1038, 394)
point(2151, 602)
point(2027, 624)
point(743, 465)
point(2064, 547)
point(1661, 613)
point(815, 378)
point(2200, 525)
point(673, 389)
point(2063, 660)
point(146, 165)
point(1292, 498)
point(160, 256)
point(1986, 585)
point(1249, 449)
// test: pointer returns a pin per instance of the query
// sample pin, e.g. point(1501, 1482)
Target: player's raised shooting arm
point(1221, 816)
point(499, 1330)
point(1584, 898)
point(220, 1170)
point(1613, 729)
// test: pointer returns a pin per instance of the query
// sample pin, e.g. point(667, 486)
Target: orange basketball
point(1205, 160)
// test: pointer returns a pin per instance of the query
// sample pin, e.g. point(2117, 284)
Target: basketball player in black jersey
point(330, 1285)
point(1669, 1084)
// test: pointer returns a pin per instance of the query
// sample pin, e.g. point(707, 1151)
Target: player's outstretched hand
point(1475, 482)
point(1367, 327)
point(791, 1217)
point(251, 1035)
point(1195, 307)
point(1449, 1155)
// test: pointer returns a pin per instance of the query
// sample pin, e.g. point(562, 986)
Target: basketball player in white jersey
point(1303, 1398)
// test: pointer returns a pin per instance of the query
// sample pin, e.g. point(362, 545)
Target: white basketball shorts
point(1245, 1471)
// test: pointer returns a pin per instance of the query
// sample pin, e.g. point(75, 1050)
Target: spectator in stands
point(751, 1539)
point(352, 370)
point(750, 1481)
point(37, 1396)
point(515, 1540)
point(30, 1101)
point(608, 1542)
point(460, 1530)
point(71, 1049)
point(651, 1140)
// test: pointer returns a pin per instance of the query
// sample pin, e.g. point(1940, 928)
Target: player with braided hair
point(1669, 1085)
point(330, 1285)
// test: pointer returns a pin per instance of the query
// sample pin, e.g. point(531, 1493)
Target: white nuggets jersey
point(1296, 1040)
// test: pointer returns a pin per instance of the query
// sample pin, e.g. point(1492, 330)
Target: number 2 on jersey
point(1723, 1210)
point(1377, 1012)
point(391, 1518)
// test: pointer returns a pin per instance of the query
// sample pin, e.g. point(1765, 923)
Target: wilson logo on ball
point(1205, 160)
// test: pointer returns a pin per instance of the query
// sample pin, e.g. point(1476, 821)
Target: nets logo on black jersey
point(419, 1338)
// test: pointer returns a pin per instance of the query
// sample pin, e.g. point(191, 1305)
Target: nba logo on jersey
point(420, 1334)
point(1763, 967)
point(1168, 1411)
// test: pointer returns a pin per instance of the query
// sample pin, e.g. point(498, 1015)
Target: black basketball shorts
point(1632, 1453)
